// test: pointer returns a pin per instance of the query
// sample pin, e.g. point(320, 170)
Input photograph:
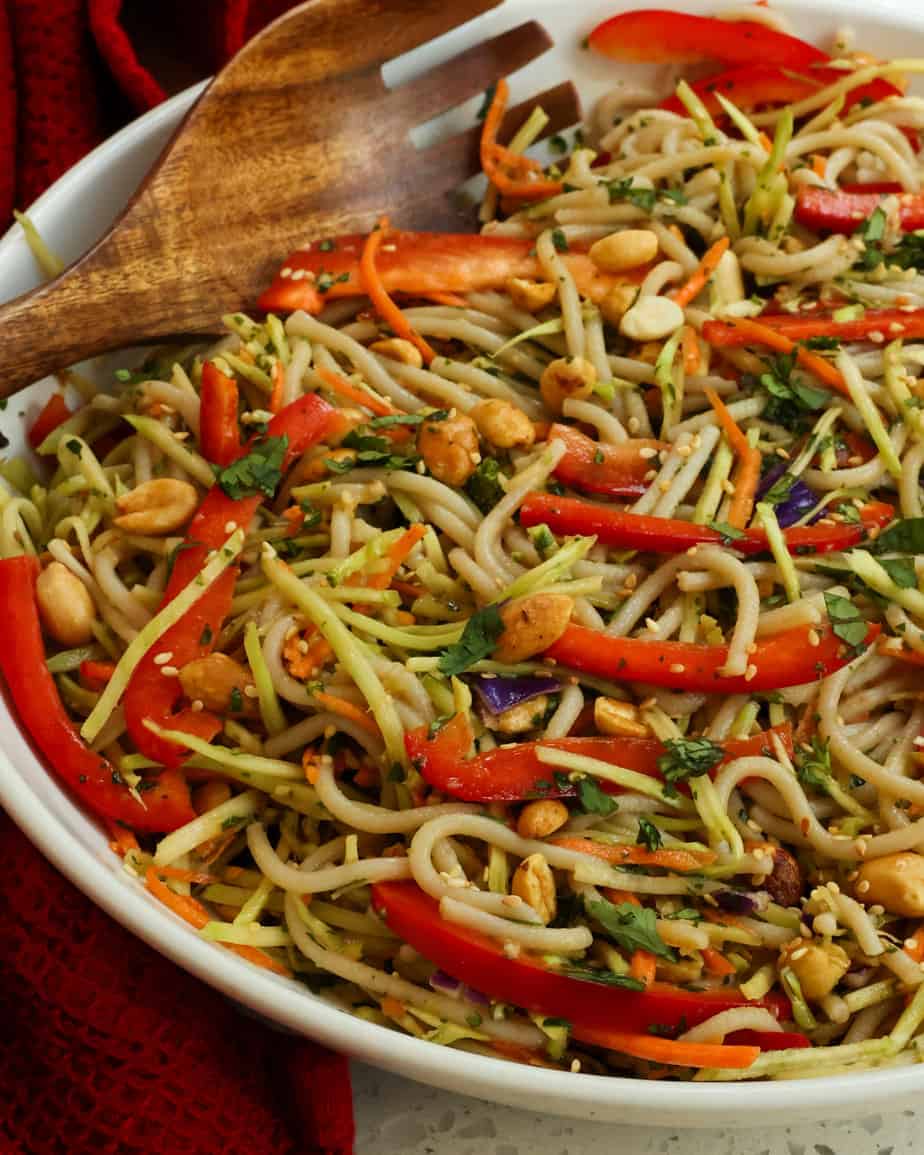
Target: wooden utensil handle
point(64, 321)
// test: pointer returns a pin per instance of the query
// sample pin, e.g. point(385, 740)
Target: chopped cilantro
point(846, 621)
point(407, 418)
point(73, 446)
point(871, 231)
point(822, 344)
point(258, 472)
point(484, 486)
point(477, 642)
point(558, 144)
point(629, 926)
point(237, 700)
point(686, 758)
point(205, 637)
point(728, 532)
point(232, 820)
point(377, 451)
point(327, 246)
point(901, 570)
point(905, 536)
point(814, 769)
point(649, 835)
point(909, 252)
point(790, 396)
point(559, 240)
point(604, 978)
point(593, 799)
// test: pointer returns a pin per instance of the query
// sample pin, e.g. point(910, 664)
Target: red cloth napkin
point(106, 1047)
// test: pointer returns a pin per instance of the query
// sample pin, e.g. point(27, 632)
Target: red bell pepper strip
point(624, 530)
point(54, 413)
point(785, 659)
point(95, 675)
point(769, 1040)
point(89, 776)
point(891, 323)
point(479, 961)
point(840, 211)
point(219, 434)
point(658, 36)
point(514, 773)
point(151, 695)
point(421, 264)
point(616, 470)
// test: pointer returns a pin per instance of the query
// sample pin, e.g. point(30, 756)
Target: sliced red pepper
point(839, 211)
point(616, 470)
point(624, 530)
point(785, 659)
point(219, 433)
point(655, 35)
point(891, 323)
point(770, 1040)
point(54, 413)
point(421, 264)
point(151, 695)
point(514, 773)
point(90, 777)
point(95, 675)
point(480, 962)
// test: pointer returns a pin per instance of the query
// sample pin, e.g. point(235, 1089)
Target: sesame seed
point(860, 846)
point(511, 950)
point(510, 900)
point(799, 952)
point(781, 452)
point(684, 450)
point(250, 692)
point(631, 581)
point(814, 638)
point(692, 551)
point(910, 943)
point(651, 624)
point(697, 441)
point(677, 668)
point(664, 486)
point(876, 337)
point(163, 658)
point(170, 671)
point(862, 887)
point(180, 435)
point(650, 475)
point(728, 487)
point(230, 526)
point(647, 452)
point(633, 425)
point(302, 647)
point(197, 705)
point(285, 272)
point(750, 673)
point(853, 876)
point(575, 1066)
point(876, 909)
point(298, 274)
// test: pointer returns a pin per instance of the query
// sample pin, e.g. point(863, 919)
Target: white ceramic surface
point(71, 215)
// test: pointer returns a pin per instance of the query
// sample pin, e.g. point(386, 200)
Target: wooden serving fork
point(297, 138)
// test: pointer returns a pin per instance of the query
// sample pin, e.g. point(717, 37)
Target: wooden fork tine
point(446, 165)
point(471, 72)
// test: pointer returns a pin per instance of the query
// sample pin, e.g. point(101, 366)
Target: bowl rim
point(288, 1003)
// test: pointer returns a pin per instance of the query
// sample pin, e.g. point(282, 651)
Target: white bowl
point(71, 215)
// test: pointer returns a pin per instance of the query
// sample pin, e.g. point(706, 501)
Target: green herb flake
point(630, 927)
point(604, 978)
point(559, 240)
point(237, 700)
point(479, 637)
point(686, 758)
point(593, 799)
point(205, 637)
point(484, 487)
point(649, 835)
point(258, 472)
point(846, 621)
point(728, 532)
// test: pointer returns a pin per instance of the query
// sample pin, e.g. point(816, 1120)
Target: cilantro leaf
point(629, 926)
point(477, 642)
point(814, 769)
point(604, 978)
point(905, 536)
point(643, 198)
point(728, 532)
point(779, 491)
point(407, 418)
point(686, 758)
point(822, 344)
point(649, 835)
point(901, 570)
point(370, 451)
point(593, 799)
point(484, 486)
point(559, 240)
point(909, 252)
point(258, 472)
point(846, 621)
point(790, 396)
point(871, 231)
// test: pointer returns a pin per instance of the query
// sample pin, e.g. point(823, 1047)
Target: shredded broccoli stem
point(229, 815)
point(47, 260)
point(155, 629)
point(550, 571)
point(699, 114)
point(872, 418)
point(788, 573)
point(270, 708)
point(249, 372)
point(868, 569)
point(748, 130)
point(630, 779)
point(158, 434)
point(245, 935)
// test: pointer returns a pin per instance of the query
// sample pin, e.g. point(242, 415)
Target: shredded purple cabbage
point(736, 902)
point(500, 694)
point(447, 985)
point(799, 501)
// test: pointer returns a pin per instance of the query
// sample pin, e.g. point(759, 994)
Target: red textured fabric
point(109, 1049)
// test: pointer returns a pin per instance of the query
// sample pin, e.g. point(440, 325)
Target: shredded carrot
point(721, 918)
point(747, 477)
point(619, 896)
point(697, 282)
point(760, 334)
point(407, 589)
point(279, 384)
point(677, 231)
point(122, 839)
point(396, 557)
point(378, 294)
point(716, 963)
point(643, 966)
point(310, 765)
point(691, 350)
point(916, 950)
point(819, 166)
point(193, 877)
point(679, 860)
point(452, 299)
point(193, 912)
point(393, 1008)
point(350, 392)
point(765, 141)
point(511, 174)
point(669, 1051)
point(519, 1054)
point(347, 710)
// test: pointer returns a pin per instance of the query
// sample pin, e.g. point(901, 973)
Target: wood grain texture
point(297, 138)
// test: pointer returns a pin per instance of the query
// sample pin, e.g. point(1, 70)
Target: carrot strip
point(691, 350)
point(350, 392)
point(378, 294)
point(747, 478)
point(499, 162)
point(279, 382)
point(194, 877)
point(452, 299)
point(122, 840)
point(668, 1051)
point(765, 141)
point(619, 896)
point(916, 951)
point(819, 166)
point(679, 860)
point(759, 334)
point(643, 966)
point(396, 556)
point(697, 282)
point(716, 963)
point(193, 912)
point(393, 1008)
point(347, 710)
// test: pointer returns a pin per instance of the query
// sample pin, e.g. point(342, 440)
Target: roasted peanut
point(219, 683)
point(895, 882)
point(397, 349)
point(651, 319)
point(530, 295)
point(534, 882)
point(784, 883)
point(531, 625)
point(503, 425)
point(617, 303)
point(450, 448)
point(624, 250)
point(542, 818)
point(819, 966)
point(66, 608)
point(568, 377)
point(158, 506)
point(516, 720)
point(209, 795)
point(614, 717)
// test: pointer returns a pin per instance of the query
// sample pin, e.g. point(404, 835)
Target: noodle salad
point(517, 637)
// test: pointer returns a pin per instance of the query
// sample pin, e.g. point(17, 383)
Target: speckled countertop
point(397, 1117)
